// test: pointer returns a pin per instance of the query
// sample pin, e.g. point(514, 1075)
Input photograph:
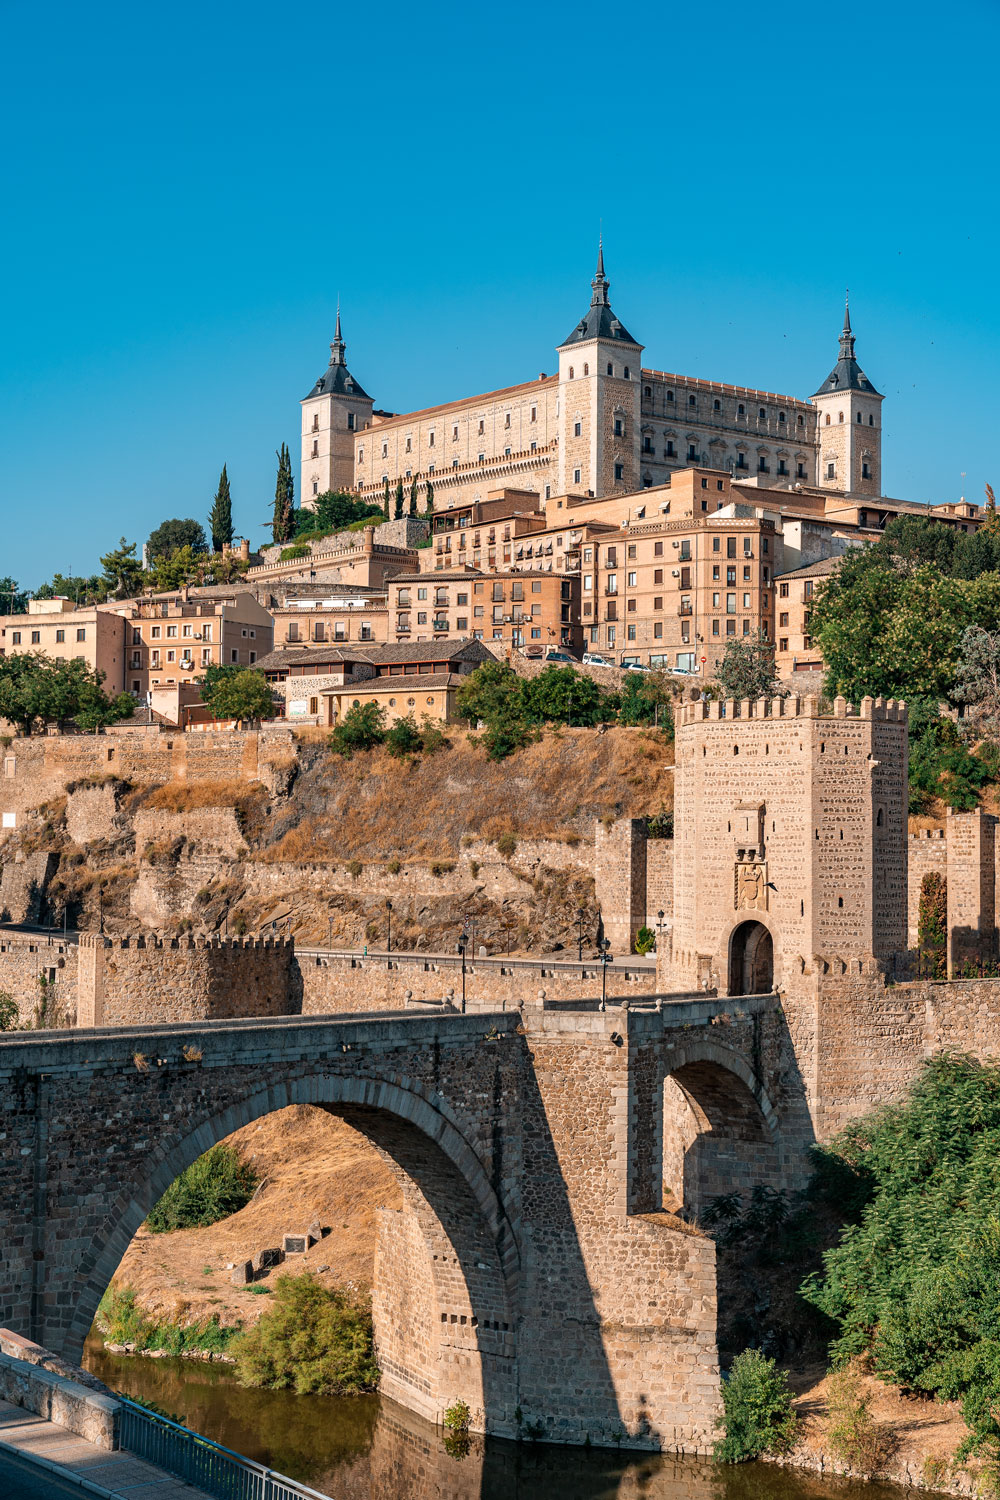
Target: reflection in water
point(368, 1448)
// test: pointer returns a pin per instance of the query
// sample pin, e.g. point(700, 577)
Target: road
point(20, 1480)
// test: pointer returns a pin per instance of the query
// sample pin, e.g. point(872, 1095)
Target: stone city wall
point(332, 983)
point(40, 767)
point(25, 961)
point(620, 879)
point(22, 883)
point(659, 880)
point(147, 980)
point(927, 851)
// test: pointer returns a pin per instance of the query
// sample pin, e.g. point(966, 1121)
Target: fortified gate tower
point(790, 844)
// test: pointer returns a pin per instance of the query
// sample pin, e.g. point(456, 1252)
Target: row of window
point(36, 636)
point(840, 418)
point(741, 411)
point(625, 375)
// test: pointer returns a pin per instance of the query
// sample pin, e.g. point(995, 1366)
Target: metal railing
point(201, 1462)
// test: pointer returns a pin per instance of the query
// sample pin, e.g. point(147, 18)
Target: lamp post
point(461, 948)
point(580, 917)
point(101, 900)
point(604, 945)
point(329, 934)
point(388, 918)
point(659, 930)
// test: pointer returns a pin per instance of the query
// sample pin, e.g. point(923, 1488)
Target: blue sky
point(188, 187)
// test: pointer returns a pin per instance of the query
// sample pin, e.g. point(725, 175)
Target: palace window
point(619, 471)
point(577, 429)
point(670, 395)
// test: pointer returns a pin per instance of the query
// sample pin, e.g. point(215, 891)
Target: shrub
point(404, 738)
point(313, 1340)
point(502, 738)
point(757, 1410)
point(441, 867)
point(394, 866)
point(474, 869)
point(361, 728)
point(9, 1014)
point(932, 923)
point(914, 1283)
point(354, 868)
point(458, 1416)
point(218, 1184)
point(289, 554)
point(507, 845)
point(645, 939)
point(855, 1437)
point(122, 1321)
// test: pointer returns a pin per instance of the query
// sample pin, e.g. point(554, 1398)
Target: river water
point(368, 1448)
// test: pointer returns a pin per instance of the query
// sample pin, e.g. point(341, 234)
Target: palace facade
point(603, 424)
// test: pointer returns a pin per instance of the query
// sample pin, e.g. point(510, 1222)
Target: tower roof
point(847, 374)
point(338, 380)
point(599, 321)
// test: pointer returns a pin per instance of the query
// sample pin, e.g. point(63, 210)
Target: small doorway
point(751, 960)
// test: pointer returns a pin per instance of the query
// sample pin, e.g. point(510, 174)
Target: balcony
point(685, 610)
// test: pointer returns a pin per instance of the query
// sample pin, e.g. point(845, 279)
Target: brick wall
point(24, 961)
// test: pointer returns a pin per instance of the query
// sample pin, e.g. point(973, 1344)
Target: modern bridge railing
point(200, 1461)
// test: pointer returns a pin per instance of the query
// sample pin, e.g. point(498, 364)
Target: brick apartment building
point(519, 611)
point(57, 628)
point(352, 615)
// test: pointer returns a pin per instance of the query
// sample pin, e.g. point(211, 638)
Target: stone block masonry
point(148, 980)
point(40, 973)
point(620, 879)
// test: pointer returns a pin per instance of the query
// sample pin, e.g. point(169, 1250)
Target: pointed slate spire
point(600, 322)
point(600, 283)
point(847, 374)
point(338, 348)
point(338, 380)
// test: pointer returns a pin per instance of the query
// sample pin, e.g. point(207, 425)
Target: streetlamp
point(659, 930)
point(329, 934)
point(100, 891)
point(581, 917)
point(604, 944)
point(388, 918)
point(461, 948)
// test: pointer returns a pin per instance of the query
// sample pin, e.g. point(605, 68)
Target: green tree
point(84, 590)
point(747, 669)
point(429, 511)
point(561, 695)
point(646, 699)
point(312, 1339)
point(220, 519)
point(941, 764)
point(914, 1284)
point(404, 738)
point(170, 536)
point(181, 566)
point(283, 518)
point(977, 682)
point(757, 1415)
point(413, 498)
point(240, 693)
point(54, 690)
point(97, 710)
point(387, 501)
point(13, 599)
point(399, 499)
point(361, 728)
point(10, 1017)
point(335, 510)
point(218, 1184)
point(491, 693)
point(123, 574)
point(991, 523)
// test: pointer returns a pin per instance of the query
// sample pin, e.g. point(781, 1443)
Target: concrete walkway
point(95, 1470)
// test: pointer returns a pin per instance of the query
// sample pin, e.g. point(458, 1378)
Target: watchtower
point(790, 831)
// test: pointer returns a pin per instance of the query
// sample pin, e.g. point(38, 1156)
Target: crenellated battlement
point(213, 943)
point(729, 710)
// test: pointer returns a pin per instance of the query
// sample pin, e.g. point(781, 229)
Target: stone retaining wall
point(147, 980)
point(40, 1382)
point(26, 959)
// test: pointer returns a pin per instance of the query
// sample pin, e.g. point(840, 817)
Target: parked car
point(635, 666)
point(595, 659)
point(563, 658)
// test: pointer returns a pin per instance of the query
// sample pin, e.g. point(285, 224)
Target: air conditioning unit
point(676, 544)
point(675, 572)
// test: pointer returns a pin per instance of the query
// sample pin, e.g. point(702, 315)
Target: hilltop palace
point(602, 425)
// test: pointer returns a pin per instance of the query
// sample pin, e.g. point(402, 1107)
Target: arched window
point(627, 374)
point(859, 416)
point(741, 410)
point(716, 406)
point(648, 392)
point(827, 415)
point(871, 421)
point(586, 369)
point(840, 416)
point(571, 377)
point(763, 413)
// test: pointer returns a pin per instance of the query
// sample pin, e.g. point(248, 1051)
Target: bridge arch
point(720, 1128)
point(445, 1296)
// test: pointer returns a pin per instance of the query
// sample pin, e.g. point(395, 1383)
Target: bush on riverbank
point(218, 1184)
point(914, 1284)
point(312, 1339)
point(757, 1415)
point(122, 1321)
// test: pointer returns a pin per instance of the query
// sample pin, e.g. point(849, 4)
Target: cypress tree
point(430, 499)
point(387, 501)
point(283, 519)
point(413, 498)
point(220, 519)
point(399, 499)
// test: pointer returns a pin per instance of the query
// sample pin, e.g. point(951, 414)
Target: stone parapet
point(794, 707)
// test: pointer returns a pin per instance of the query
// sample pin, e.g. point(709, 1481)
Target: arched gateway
point(751, 960)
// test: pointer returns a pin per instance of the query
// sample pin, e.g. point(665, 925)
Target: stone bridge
point(545, 1267)
point(538, 1270)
